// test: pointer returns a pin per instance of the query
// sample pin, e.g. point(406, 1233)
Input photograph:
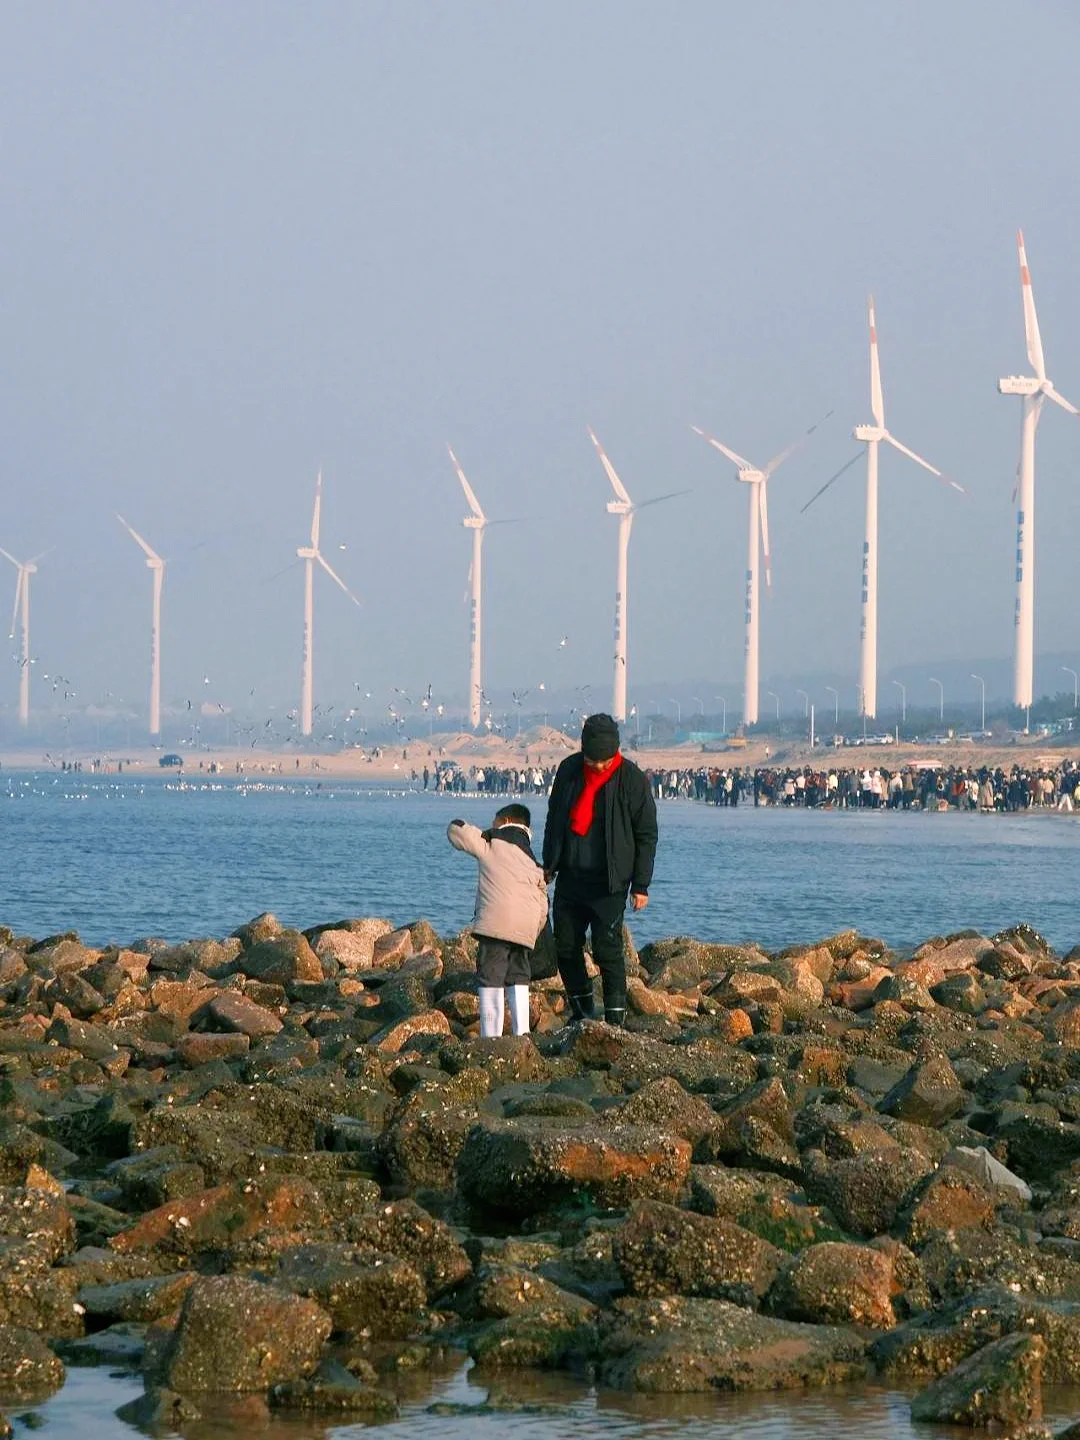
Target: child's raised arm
point(466, 837)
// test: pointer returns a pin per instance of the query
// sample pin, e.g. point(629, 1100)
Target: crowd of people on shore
point(908, 787)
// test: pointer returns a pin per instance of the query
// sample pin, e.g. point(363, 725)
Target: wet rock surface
point(283, 1165)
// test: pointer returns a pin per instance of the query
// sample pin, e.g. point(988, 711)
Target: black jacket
point(629, 823)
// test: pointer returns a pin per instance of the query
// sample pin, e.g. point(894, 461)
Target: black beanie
point(599, 738)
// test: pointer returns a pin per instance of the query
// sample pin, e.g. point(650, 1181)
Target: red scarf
point(581, 812)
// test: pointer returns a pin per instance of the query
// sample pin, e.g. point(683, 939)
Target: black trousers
point(575, 912)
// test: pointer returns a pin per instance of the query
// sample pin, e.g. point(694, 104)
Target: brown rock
point(199, 1049)
point(395, 1037)
point(237, 1013)
point(836, 1284)
point(518, 1167)
point(656, 1002)
point(734, 1025)
point(353, 948)
point(662, 1250)
point(218, 1218)
point(283, 960)
point(392, 949)
point(237, 1335)
point(949, 1200)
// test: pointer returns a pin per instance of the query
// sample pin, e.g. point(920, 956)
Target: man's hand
point(549, 875)
point(457, 822)
point(638, 901)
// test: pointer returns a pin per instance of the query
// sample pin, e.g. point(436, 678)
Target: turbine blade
point(11, 558)
point(911, 454)
point(41, 555)
point(1052, 394)
point(818, 493)
point(877, 403)
point(1031, 320)
point(474, 504)
point(337, 579)
point(18, 596)
point(763, 510)
point(732, 455)
point(152, 554)
point(657, 499)
point(316, 514)
point(609, 469)
point(778, 460)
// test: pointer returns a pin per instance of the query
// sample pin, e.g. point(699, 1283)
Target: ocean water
point(118, 858)
point(463, 1405)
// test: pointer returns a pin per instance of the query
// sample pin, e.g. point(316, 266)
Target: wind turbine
point(477, 522)
point(21, 615)
point(311, 554)
point(625, 509)
point(757, 548)
point(1034, 389)
point(156, 565)
point(872, 436)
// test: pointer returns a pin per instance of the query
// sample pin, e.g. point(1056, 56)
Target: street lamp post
point(773, 696)
point(835, 693)
point(723, 702)
point(982, 682)
point(941, 699)
point(806, 703)
point(678, 711)
point(700, 705)
point(1076, 683)
point(903, 700)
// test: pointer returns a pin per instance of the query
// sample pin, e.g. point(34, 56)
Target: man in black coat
point(599, 844)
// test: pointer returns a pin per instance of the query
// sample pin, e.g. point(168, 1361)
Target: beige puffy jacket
point(511, 897)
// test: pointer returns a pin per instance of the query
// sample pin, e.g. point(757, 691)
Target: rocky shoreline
point(283, 1168)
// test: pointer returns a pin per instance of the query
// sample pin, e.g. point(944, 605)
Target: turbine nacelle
point(619, 507)
point(1020, 385)
point(869, 433)
point(307, 553)
point(750, 476)
point(474, 522)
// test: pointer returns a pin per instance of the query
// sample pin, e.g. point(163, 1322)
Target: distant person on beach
point(599, 846)
point(511, 911)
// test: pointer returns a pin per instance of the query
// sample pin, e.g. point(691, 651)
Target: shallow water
point(119, 858)
point(533, 1407)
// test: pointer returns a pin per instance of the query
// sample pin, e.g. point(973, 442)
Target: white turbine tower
point(625, 509)
point(477, 522)
point(757, 548)
point(312, 555)
point(1034, 389)
point(872, 436)
point(21, 616)
point(156, 565)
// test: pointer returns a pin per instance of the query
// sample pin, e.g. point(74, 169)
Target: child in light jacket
point(511, 908)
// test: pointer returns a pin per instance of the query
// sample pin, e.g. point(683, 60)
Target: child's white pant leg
point(491, 1011)
point(519, 1008)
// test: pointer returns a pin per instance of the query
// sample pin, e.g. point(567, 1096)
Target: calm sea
point(119, 858)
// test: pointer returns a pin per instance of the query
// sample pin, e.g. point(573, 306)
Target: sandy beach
point(545, 746)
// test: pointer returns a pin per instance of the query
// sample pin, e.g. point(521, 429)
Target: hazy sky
point(238, 242)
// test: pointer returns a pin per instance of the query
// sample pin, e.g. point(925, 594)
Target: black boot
point(582, 1006)
point(615, 1015)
